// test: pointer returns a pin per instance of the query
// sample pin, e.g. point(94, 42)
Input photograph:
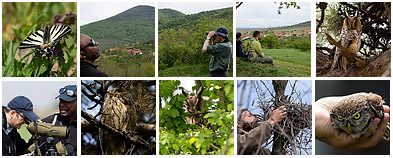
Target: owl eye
point(356, 116)
point(340, 118)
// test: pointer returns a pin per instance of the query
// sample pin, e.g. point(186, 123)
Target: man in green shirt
point(256, 49)
point(222, 52)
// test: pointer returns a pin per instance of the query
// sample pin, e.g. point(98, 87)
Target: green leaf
point(192, 140)
point(198, 144)
point(173, 113)
point(174, 146)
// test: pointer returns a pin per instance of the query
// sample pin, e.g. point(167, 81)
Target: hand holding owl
point(327, 132)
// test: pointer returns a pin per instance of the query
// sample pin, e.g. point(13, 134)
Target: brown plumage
point(194, 105)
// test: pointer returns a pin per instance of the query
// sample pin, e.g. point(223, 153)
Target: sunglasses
point(68, 92)
point(92, 43)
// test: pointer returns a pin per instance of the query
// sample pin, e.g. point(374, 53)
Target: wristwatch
point(208, 39)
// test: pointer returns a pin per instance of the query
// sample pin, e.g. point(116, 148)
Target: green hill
point(167, 15)
point(133, 25)
point(192, 20)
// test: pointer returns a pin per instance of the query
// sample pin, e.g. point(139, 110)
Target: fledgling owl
point(355, 114)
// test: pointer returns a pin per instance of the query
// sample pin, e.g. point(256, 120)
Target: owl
point(118, 112)
point(349, 44)
point(194, 105)
point(355, 114)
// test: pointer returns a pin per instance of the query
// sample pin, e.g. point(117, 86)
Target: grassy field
point(198, 70)
point(287, 63)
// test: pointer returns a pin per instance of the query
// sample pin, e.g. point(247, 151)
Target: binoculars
point(47, 129)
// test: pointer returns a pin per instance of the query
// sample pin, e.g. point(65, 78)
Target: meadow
point(287, 63)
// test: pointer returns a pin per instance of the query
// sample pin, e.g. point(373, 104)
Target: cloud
point(264, 14)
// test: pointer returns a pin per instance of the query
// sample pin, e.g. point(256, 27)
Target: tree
point(122, 111)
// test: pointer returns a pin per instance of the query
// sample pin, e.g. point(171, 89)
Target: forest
point(196, 121)
point(360, 52)
point(133, 25)
point(181, 38)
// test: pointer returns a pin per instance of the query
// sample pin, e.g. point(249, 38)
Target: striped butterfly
point(45, 40)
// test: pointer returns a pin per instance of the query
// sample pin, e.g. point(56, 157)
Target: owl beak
point(349, 127)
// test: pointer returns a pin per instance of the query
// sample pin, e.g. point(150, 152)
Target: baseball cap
point(68, 93)
point(222, 31)
point(24, 105)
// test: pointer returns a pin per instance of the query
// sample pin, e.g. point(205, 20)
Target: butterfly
point(45, 39)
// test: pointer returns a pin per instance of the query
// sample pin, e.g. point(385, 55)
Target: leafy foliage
point(178, 137)
point(181, 39)
point(23, 19)
point(133, 25)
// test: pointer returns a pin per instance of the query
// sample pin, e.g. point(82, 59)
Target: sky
point(194, 7)
point(95, 11)
point(301, 85)
point(265, 15)
point(42, 94)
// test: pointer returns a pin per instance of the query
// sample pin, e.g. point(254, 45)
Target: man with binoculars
point(222, 52)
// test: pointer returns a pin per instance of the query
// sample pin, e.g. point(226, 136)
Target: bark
point(375, 66)
point(279, 88)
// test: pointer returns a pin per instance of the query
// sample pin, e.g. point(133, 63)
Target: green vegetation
point(177, 137)
point(181, 40)
point(288, 63)
point(296, 42)
point(167, 15)
point(133, 25)
point(122, 63)
point(22, 19)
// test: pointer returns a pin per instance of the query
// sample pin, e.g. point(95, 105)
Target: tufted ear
point(199, 92)
point(185, 93)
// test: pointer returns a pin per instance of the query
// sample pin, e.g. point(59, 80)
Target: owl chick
point(355, 114)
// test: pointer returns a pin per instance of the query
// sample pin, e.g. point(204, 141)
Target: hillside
point(193, 19)
point(303, 25)
point(167, 15)
point(133, 25)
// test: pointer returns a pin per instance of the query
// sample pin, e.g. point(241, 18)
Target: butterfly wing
point(35, 40)
point(57, 32)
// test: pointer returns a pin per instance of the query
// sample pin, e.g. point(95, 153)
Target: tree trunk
point(222, 93)
point(279, 88)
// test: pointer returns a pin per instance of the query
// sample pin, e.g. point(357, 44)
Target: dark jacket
point(13, 144)
point(90, 70)
point(222, 56)
point(70, 142)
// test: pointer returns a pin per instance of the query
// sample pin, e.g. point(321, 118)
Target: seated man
point(250, 135)
point(254, 47)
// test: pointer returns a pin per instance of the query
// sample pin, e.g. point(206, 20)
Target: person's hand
point(211, 34)
point(324, 130)
point(277, 115)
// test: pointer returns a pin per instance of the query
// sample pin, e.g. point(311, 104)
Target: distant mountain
point(302, 25)
point(193, 19)
point(133, 25)
point(167, 15)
